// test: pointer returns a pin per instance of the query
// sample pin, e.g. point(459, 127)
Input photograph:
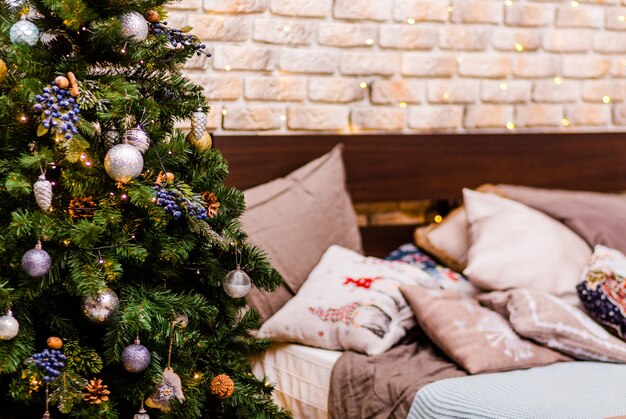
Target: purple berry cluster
point(51, 362)
point(176, 204)
point(60, 110)
point(179, 37)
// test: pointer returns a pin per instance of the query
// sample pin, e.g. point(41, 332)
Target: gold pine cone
point(212, 205)
point(96, 392)
point(82, 207)
point(222, 386)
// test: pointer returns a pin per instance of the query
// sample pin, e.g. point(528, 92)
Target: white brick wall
point(402, 66)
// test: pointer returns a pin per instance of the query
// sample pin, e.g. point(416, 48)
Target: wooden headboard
point(412, 167)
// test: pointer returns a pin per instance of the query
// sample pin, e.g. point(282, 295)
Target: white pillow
point(514, 246)
point(349, 302)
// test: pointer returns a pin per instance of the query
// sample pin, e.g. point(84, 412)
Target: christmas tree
point(123, 265)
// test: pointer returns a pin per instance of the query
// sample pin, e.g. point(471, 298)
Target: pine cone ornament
point(212, 205)
point(111, 137)
point(43, 192)
point(198, 123)
point(82, 207)
point(222, 386)
point(96, 392)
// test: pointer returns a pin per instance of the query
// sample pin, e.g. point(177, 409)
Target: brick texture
point(402, 66)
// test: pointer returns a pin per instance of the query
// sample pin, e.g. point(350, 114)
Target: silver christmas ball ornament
point(136, 357)
point(14, 4)
point(111, 137)
point(134, 27)
point(43, 192)
point(237, 283)
point(24, 33)
point(138, 138)
point(123, 163)
point(101, 308)
point(9, 327)
point(36, 262)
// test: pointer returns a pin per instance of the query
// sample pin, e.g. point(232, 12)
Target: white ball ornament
point(136, 357)
point(101, 308)
point(36, 262)
point(9, 327)
point(24, 33)
point(135, 27)
point(123, 163)
point(237, 283)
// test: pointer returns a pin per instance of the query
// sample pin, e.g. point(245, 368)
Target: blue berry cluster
point(176, 204)
point(60, 110)
point(51, 362)
point(179, 37)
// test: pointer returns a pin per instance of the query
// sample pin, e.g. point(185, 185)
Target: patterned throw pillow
point(603, 291)
point(476, 338)
point(349, 302)
point(446, 277)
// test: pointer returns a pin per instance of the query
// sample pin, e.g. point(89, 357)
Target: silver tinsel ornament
point(111, 137)
point(134, 27)
point(237, 283)
point(43, 192)
point(123, 163)
point(101, 308)
point(136, 357)
point(24, 32)
point(9, 327)
point(36, 262)
point(198, 123)
point(138, 138)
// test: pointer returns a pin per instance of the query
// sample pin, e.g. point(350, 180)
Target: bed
point(407, 168)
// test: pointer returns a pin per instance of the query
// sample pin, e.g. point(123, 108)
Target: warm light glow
point(410, 21)
point(283, 117)
point(623, 61)
point(123, 50)
point(286, 29)
point(606, 99)
point(459, 59)
point(508, 3)
point(224, 112)
point(141, 62)
point(369, 41)
point(450, 9)
point(575, 3)
point(53, 183)
point(558, 80)
point(446, 95)
point(197, 375)
point(621, 18)
point(403, 105)
point(519, 47)
point(83, 156)
point(438, 218)
point(565, 122)
point(111, 193)
point(124, 196)
point(510, 125)
point(228, 68)
point(23, 118)
point(101, 261)
point(363, 85)
point(504, 86)
point(88, 163)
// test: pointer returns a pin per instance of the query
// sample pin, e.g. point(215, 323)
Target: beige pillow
point(513, 246)
point(295, 219)
point(476, 338)
point(448, 240)
point(554, 323)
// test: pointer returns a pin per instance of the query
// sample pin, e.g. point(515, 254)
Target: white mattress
point(301, 375)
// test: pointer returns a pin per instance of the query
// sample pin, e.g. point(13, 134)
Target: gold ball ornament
point(62, 82)
point(222, 386)
point(204, 143)
point(54, 342)
point(153, 16)
point(3, 71)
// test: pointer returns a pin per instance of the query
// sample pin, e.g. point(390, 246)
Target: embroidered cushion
point(349, 302)
point(603, 290)
point(445, 277)
point(476, 338)
point(550, 321)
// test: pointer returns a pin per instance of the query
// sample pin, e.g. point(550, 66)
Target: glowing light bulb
point(575, 3)
point(450, 9)
point(228, 68)
point(510, 125)
point(369, 41)
point(410, 21)
point(508, 3)
point(286, 28)
point(283, 117)
point(504, 86)
point(123, 50)
point(88, 163)
point(124, 196)
point(606, 99)
point(558, 80)
point(101, 261)
point(446, 95)
point(363, 85)
point(403, 105)
point(459, 59)
point(519, 47)
point(621, 18)
point(565, 122)
point(438, 218)
point(23, 118)
point(224, 112)
point(83, 156)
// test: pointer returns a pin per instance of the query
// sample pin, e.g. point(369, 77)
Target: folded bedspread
point(571, 390)
point(384, 386)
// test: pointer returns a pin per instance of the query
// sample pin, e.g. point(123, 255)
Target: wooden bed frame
point(383, 168)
